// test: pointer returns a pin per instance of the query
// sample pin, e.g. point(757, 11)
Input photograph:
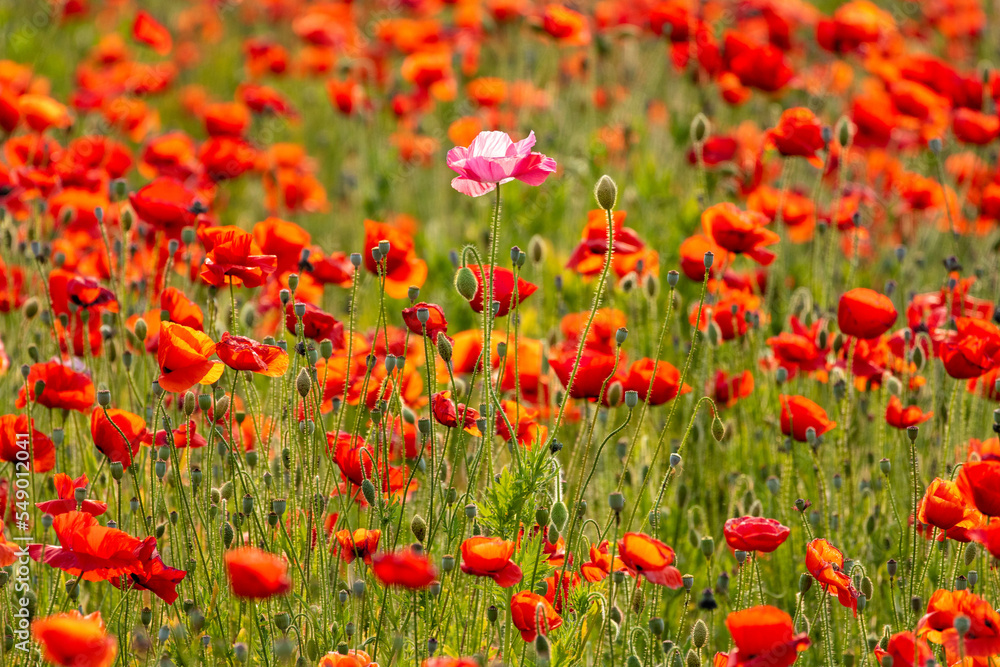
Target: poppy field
point(458, 333)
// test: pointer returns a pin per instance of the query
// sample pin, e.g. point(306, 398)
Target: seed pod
point(699, 634)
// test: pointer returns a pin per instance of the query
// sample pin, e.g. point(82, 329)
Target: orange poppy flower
point(64, 388)
point(825, 563)
point(491, 557)
point(256, 574)
point(988, 535)
point(13, 429)
point(865, 313)
point(436, 322)
point(406, 569)
point(764, 635)
point(597, 364)
point(361, 544)
point(601, 564)
point(107, 431)
point(401, 266)
point(167, 204)
point(799, 414)
point(87, 549)
point(567, 26)
point(446, 413)
point(524, 614)
point(754, 533)
point(353, 658)
point(974, 127)
point(944, 506)
point(938, 624)
point(245, 354)
point(899, 417)
point(692, 252)
point(726, 390)
point(798, 134)
point(650, 558)
point(71, 639)
point(183, 358)
point(740, 232)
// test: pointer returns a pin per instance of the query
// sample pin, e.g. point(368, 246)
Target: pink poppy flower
point(492, 158)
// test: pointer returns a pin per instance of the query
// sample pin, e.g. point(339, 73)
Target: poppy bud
point(222, 406)
point(916, 604)
point(536, 249)
point(542, 646)
point(444, 347)
point(559, 514)
point(638, 601)
point(971, 551)
point(699, 129)
point(303, 383)
point(552, 534)
point(226, 532)
point(862, 602)
point(614, 394)
point(845, 131)
point(30, 308)
point(466, 283)
point(718, 429)
point(418, 527)
point(606, 193)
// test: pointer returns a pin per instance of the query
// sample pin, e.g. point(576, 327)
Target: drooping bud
point(466, 283)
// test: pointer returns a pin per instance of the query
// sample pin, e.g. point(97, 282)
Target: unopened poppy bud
point(418, 527)
point(30, 308)
point(189, 403)
point(845, 131)
point(700, 128)
point(606, 192)
point(652, 285)
point(542, 647)
point(536, 249)
point(303, 383)
point(805, 582)
point(552, 534)
point(616, 501)
point(631, 398)
point(559, 514)
point(691, 659)
point(699, 634)
point(916, 604)
point(709, 259)
point(971, 552)
point(226, 533)
point(656, 626)
point(444, 347)
point(466, 283)
point(718, 429)
point(614, 394)
point(862, 601)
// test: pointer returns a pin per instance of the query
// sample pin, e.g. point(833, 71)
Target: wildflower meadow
point(469, 333)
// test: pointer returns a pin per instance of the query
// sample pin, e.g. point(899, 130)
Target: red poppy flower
point(436, 321)
point(361, 544)
point(799, 414)
point(601, 564)
point(237, 259)
point(692, 252)
point(66, 488)
point(799, 349)
point(726, 390)
point(762, 67)
point(167, 204)
point(246, 354)
point(865, 313)
point(503, 288)
point(65, 389)
point(107, 431)
point(597, 364)
point(798, 134)
point(149, 31)
point(740, 232)
point(945, 506)
point(71, 639)
point(938, 624)
point(357, 658)
point(825, 563)
point(566, 25)
point(974, 127)
point(899, 417)
point(88, 293)
point(318, 324)
point(650, 558)
point(256, 574)
point(906, 650)
point(13, 431)
point(979, 481)
point(754, 533)
point(533, 615)
point(183, 358)
point(666, 382)
point(446, 413)
point(87, 549)
point(283, 239)
point(406, 569)
point(762, 636)
point(153, 574)
point(491, 557)
point(401, 266)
